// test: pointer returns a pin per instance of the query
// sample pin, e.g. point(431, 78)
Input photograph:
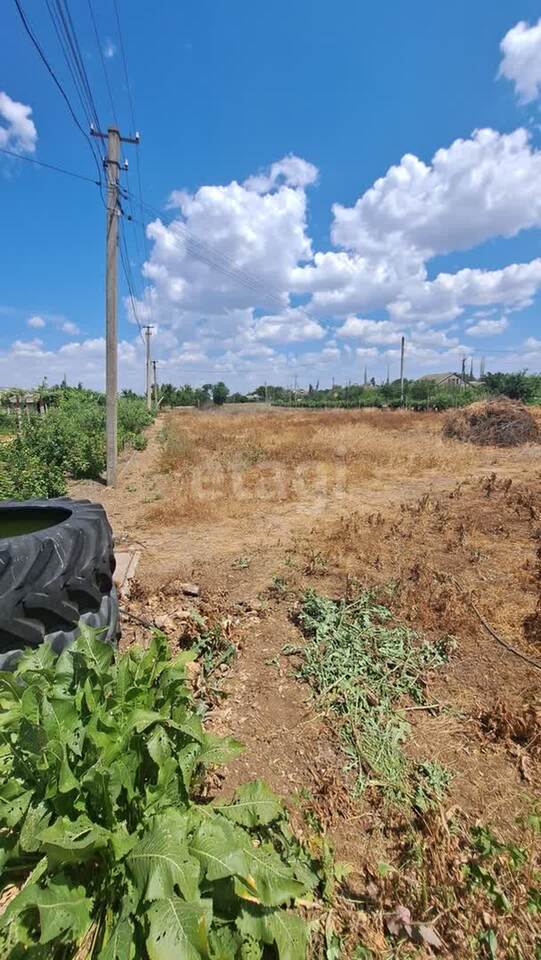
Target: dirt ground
point(256, 505)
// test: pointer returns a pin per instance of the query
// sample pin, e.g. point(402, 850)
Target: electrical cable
point(102, 58)
point(221, 261)
point(50, 166)
point(66, 24)
point(134, 132)
point(126, 266)
point(193, 245)
point(58, 84)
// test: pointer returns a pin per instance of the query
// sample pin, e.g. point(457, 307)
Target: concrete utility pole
point(402, 343)
point(112, 169)
point(148, 332)
point(155, 381)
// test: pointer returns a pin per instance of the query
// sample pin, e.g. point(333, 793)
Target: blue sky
point(308, 269)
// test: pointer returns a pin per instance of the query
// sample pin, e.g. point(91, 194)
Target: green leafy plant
point(278, 587)
point(67, 441)
point(103, 840)
point(362, 668)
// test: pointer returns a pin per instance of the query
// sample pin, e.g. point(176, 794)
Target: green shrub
point(68, 441)
point(25, 474)
point(102, 830)
point(133, 415)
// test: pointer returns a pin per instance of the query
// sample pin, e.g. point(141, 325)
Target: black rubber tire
point(55, 578)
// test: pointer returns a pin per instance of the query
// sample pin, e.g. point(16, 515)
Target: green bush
point(103, 830)
point(68, 441)
point(516, 386)
point(133, 416)
point(25, 474)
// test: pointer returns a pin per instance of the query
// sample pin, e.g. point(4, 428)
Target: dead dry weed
point(499, 422)
point(222, 466)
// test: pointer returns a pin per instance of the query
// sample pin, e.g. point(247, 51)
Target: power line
point(126, 266)
point(145, 252)
point(67, 46)
point(56, 81)
point(102, 58)
point(125, 65)
point(202, 250)
point(75, 49)
point(213, 259)
point(50, 166)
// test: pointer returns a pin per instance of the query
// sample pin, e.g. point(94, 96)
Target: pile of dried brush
point(500, 422)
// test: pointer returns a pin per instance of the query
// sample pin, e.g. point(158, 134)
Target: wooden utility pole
point(112, 169)
point(148, 332)
point(402, 342)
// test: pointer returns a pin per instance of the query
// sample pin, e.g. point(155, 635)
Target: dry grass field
point(228, 464)
point(257, 507)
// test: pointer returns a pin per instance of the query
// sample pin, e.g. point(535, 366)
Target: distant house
point(450, 379)
point(27, 403)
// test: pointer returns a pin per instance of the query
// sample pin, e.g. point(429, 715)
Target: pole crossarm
point(104, 136)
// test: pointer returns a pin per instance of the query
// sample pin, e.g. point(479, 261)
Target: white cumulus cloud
point(487, 328)
point(17, 129)
point(486, 186)
point(445, 297)
point(521, 59)
point(291, 326)
point(37, 323)
point(291, 170)
point(70, 328)
point(372, 331)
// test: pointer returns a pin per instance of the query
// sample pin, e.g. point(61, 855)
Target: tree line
point(418, 394)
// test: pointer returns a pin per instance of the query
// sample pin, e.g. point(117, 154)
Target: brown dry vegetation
point(501, 422)
point(229, 464)
point(451, 532)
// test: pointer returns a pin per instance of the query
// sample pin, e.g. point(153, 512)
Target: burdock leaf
point(36, 820)
point(253, 804)
point(227, 850)
point(121, 945)
point(216, 846)
point(270, 879)
point(161, 862)
point(158, 744)
point(169, 791)
point(72, 841)
point(187, 760)
point(288, 931)
point(178, 929)
point(64, 910)
point(98, 655)
point(59, 719)
point(216, 750)
point(14, 802)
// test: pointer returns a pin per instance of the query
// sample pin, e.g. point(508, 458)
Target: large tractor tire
point(56, 572)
